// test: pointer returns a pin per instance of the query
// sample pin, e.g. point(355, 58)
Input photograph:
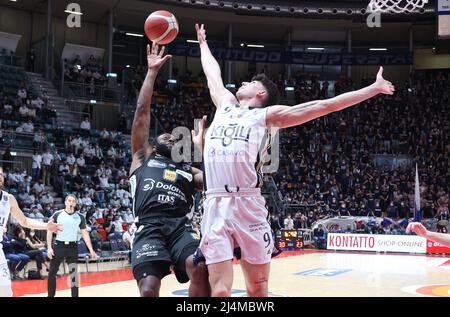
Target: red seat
point(102, 233)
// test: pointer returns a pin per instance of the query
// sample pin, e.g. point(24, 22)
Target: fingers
point(148, 49)
point(196, 27)
point(380, 71)
point(161, 52)
point(165, 58)
point(202, 123)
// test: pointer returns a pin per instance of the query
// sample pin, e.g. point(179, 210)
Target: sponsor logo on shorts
point(170, 176)
point(195, 236)
point(155, 163)
point(146, 250)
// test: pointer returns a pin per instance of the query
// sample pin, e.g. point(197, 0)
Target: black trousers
point(70, 253)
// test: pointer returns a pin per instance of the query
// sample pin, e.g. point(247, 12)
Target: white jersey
point(232, 145)
point(5, 208)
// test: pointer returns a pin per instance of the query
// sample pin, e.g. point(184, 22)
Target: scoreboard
point(289, 239)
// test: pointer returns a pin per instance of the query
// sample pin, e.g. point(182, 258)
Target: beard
point(164, 150)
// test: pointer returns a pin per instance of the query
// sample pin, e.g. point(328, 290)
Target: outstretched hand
point(198, 139)
point(155, 58)
point(201, 33)
point(54, 227)
point(385, 87)
point(417, 228)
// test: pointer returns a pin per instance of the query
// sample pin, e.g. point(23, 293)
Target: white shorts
point(5, 278)
point(237, 219)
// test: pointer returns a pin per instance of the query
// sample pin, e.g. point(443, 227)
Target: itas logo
point(150, 185)
point(166, 199)
point(231, 132)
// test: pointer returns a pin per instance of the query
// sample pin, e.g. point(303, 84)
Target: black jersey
point(162, 188)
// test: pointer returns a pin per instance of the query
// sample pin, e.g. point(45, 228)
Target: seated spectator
point(319, 237)
point(17, 260)
point(36, 250)
point(85, 126)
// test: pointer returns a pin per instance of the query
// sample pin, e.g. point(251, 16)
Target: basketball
point(161, 27)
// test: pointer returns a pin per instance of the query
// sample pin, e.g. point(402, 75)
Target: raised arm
point(140, 148)
point(285, 116)
point(211, 68)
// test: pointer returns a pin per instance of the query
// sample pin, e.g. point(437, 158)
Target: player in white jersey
point(234, 210)
point(8, 204)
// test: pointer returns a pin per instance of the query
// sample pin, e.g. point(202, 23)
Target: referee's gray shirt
point(71, 222)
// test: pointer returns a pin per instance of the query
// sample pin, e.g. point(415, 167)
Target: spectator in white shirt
point(86, 200)
point(85, 125)
point(28, 127)
point(76, 144)
point(47, 161)
point(81, 162)
point(64, 168)
point(289, 223)
point(88, 153)
point(36, 214)
point(128, 217)
point(71, 159)
point(104, 182)
point(122, 173)
point(36, 165)
point(104, 138)
point(46, 199)
point(38, 187)
point(98, 213)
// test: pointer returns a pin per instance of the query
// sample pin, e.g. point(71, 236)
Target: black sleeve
point(82, 222)
point(55, 216)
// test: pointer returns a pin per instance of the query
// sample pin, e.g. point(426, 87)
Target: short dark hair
point(271, 88)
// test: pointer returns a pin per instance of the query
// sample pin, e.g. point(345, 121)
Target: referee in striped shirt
point(65, 245)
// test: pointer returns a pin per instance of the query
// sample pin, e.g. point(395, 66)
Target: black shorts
point(160, 243)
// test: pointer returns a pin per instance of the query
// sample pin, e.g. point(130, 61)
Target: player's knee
point(197, 272)
point(220, 291)
point(148, 287)
point(147, 290)
point(6, 291)
point(257, 289)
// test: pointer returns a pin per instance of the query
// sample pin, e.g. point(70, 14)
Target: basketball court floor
point(293, 273)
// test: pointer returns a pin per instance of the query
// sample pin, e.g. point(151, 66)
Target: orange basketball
point(161, 27)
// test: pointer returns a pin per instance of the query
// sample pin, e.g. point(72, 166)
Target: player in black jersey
point(162, 193)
